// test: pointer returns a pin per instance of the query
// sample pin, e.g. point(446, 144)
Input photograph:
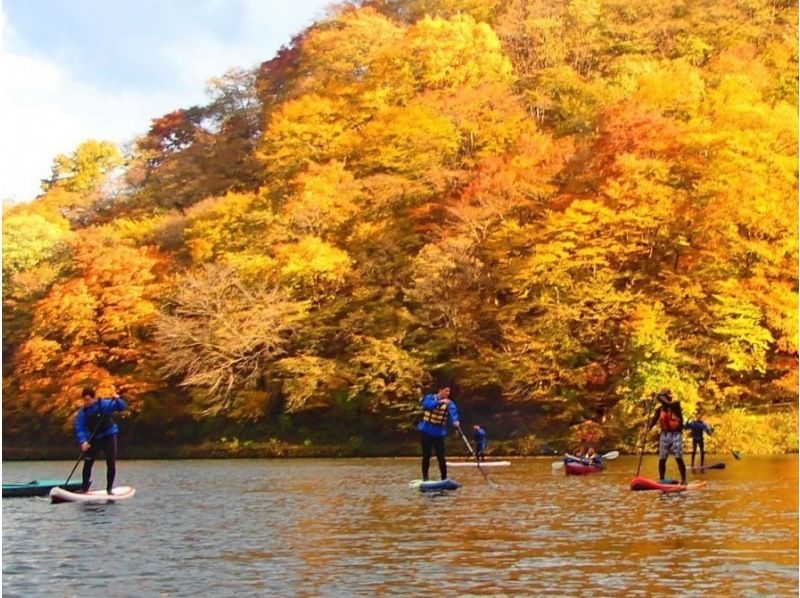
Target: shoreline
point(228, 451)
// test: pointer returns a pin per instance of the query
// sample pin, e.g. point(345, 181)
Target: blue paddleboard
point(434, 485)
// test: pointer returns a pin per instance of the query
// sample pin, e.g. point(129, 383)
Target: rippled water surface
point(353, 527)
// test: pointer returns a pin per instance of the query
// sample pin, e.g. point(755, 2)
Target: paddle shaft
point(477, 460)
point(644, 436)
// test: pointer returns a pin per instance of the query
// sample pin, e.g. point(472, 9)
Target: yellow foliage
point(672, 87)
point(310, 128)
point(314, 268)
point(68, 313)
point(36, 355)
point(754, 434)
point(86, 168)
point(446, 54)
point(410, 140)
point(29, 239)
point(325, 197)
point(353, 56)
point(233, 222)
point(251, 267)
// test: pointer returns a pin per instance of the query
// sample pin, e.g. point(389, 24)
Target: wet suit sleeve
point(453, 410)
point(118, 404)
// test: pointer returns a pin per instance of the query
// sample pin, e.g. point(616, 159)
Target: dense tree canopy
point(562, 205)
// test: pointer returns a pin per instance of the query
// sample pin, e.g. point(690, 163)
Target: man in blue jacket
point(437, 409)
point(698, 426)
point(97, 431)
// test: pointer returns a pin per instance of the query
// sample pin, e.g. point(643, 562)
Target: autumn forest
point(556, 206)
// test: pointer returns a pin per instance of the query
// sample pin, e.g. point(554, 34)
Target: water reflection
point(354, 528)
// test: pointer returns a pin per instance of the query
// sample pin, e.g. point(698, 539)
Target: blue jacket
point(429, 404)
point(697, 429)
point(87, 418)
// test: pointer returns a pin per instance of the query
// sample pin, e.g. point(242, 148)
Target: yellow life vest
point(436, 416)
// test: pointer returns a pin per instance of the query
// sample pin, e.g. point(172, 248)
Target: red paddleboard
point(648, 484)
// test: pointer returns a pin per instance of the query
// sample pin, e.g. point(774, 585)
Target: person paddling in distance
point(96, 431)
point(437, 409)
point(479, 436)
point(698, 427)
point(669, 417)
point(592, 458)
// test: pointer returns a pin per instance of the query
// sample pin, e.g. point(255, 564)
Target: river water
point(353, 527)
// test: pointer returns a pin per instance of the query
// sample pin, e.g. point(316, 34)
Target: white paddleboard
point(118, 493)
point(475, 464)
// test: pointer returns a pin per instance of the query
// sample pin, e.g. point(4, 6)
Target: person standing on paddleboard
point(697, 427)
point(96, 431)
point(669, 417)
point(479, 436)
point(437, 409)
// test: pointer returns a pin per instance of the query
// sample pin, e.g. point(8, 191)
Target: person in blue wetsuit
point(698, 427)
point(437, 410)
point(96, 431)
point(479, 436)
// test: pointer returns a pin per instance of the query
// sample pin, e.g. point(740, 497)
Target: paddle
point(477, 460)
point(736, 455)
point(610, 456)
point(644, 436)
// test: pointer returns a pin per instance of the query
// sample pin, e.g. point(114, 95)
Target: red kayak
point(573, 468)
point(648, 484)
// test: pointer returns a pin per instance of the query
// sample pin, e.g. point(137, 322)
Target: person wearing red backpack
point(669, 417)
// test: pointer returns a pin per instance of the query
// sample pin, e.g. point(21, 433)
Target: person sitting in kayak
point(479, 436)
point(588, 457)
point(592, 458)
point(575, 457)
point(669, 417)
point(697, 427)
point(437, 409)
point(96, 431)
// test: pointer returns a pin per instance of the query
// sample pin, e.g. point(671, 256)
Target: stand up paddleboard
point(664, 485)
point(58, 495)
point(475, 464)
point(37, 487)
point(435, 486)
point(720, 465)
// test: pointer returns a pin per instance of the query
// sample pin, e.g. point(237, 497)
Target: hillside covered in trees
point(559, 205)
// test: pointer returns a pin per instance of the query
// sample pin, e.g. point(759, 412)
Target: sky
point(72, 70)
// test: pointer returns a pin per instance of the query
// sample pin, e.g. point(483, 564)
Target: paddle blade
point(736, 455)
point(611, 455)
